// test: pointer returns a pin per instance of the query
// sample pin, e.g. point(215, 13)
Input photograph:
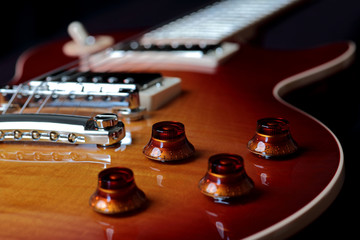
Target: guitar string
point(84, 66)
point(83, 60)
point(75, 109)
point(70, 72)
point(66, 70)
point(61, 72)
point(48, 79)
point(44, 102)
point(61, 100)
point(110, 68)
point(81, 63)
point(30, 97)
point(12, 99)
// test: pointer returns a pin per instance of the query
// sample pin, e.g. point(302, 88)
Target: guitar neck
point(215, 23)
point(198, 42)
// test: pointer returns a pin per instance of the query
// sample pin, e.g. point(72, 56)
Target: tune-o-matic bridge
point(103, 129)
point(127, 94)
point(31, 103)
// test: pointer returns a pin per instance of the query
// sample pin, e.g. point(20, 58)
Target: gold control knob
point(168, 142)
point(226, 178)
point(272, 139)
point(117, 192)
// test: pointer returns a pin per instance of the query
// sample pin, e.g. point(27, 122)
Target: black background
point(334, 101)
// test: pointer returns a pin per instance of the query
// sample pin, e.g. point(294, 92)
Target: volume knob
point(117, 192)
point(226, 178)
point(272, 139)
point(168, 142)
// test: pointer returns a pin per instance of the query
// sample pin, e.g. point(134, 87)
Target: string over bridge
point(116, 91)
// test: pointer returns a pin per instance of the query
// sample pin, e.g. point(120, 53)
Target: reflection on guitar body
point(47, 184)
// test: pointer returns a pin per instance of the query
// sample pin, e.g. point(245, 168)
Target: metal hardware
point(106, 120)
point(130, 114)
point(103, 129)
point(118, 91)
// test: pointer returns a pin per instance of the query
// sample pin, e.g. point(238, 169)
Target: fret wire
point(215, 22)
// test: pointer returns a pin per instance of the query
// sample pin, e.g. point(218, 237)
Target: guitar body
point(45, 188)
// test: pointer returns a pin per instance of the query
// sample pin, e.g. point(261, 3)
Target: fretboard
point(215, 23)
point(196, 42)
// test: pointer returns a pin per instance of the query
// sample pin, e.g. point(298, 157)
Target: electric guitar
point(58, 137)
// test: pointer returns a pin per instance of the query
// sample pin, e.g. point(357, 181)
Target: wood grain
point(47, 198)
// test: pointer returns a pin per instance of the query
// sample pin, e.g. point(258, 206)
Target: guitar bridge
point(127, 94)
point(102, 130)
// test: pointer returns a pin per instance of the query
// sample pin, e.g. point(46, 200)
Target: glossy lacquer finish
point(168, 143)
point(226, 180)
point(117, 192)
point(45, 189)
point(273, 139)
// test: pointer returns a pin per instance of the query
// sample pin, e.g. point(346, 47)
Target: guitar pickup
point(103, 129)
point(194, 57)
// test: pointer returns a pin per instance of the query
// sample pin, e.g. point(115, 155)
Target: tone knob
point(168, 142)
point(272, 139)
point(226, 178)
point(117, 192)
